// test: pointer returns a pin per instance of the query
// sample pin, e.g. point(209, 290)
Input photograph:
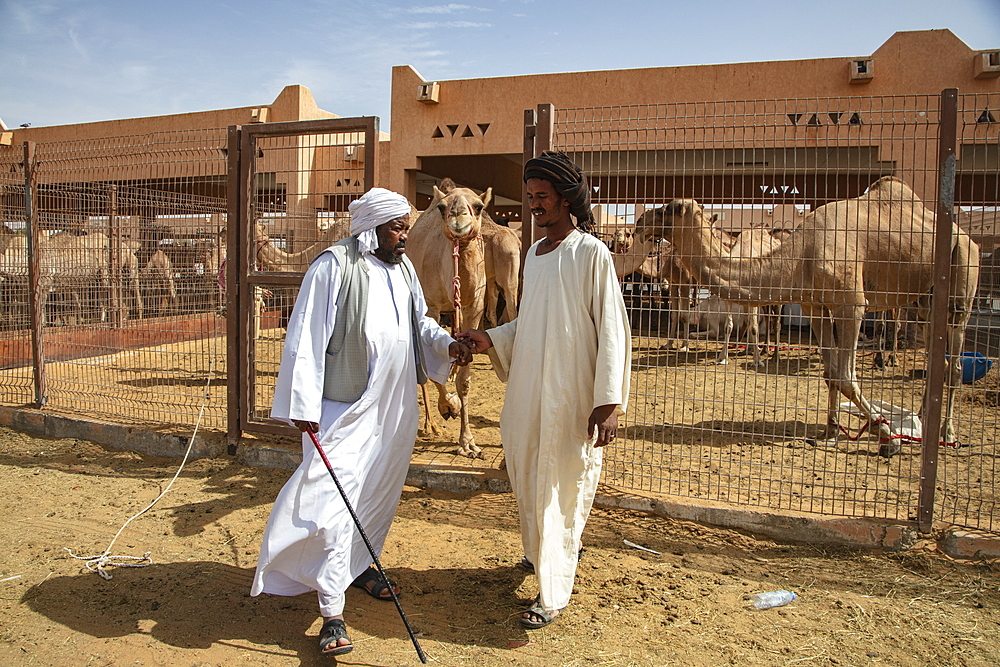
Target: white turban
point(376, 207)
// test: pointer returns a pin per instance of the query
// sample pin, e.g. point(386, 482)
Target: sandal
point(333, 631)
point(526, 564)
point(378, 589)
point(535, 616)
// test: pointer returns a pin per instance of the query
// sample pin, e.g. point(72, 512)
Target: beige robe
point(568, 352)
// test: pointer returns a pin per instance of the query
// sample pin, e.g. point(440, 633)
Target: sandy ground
point(455, 557)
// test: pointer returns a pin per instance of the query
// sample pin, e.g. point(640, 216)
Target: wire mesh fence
point(730, 400)
point(129, 234)
point(969, 477)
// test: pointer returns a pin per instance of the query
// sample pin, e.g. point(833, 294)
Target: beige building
point(472, 130)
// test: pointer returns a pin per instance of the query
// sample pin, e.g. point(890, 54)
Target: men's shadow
point(200, 603)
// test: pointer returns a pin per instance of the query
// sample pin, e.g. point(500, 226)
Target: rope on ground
point(104, 560)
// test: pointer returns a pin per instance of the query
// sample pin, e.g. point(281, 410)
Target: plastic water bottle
point(772, 599)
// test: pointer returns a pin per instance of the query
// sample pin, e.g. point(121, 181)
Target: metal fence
point(127, 318)
point(113, 303)
point(751, 431)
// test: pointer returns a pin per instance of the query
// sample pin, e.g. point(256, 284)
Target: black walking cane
point(357, 522)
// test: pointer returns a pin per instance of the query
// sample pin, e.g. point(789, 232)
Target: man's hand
point(306, 426)
point(605, 419)
point(478, 341)
point(460, 352)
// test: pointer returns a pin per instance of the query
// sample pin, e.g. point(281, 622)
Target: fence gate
point(289, 188)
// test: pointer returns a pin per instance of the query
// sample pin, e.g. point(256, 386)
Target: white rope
point(101, 561)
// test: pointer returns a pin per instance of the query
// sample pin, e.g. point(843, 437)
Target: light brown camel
point(73, 266)
point(724, 317)
point(502, 248)
point(655, 259)
point(873, 252)
point(272, 258)
point(157, 285)
point(454, 216)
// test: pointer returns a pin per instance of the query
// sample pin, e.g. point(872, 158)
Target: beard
point(389, 254)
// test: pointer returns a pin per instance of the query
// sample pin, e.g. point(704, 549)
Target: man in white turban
point(357, 344)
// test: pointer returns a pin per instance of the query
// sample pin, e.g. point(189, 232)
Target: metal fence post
point(938, 343)
point(118, 316)
point(36, 310)
point(530, 128)
point(235, 201)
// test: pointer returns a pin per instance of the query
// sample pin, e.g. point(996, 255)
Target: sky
point(74, 61)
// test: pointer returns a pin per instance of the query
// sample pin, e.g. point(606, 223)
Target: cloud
point(444, 9)
point(430, 25)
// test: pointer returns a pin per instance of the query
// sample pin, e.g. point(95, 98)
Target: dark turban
point(568, 180)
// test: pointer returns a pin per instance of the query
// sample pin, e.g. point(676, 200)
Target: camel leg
point(727, 333)
point(753, 335)
point(466, 442)
point(822, 329)
point(964, 282)
point(430, 427)
point(448, 403)
point(681, 306)
point(843, 376)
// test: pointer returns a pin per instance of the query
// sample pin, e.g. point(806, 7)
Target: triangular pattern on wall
point(453, 129)
point(467, 132)
point(794, 117)
point(437, 133)
point(483, 127)
point(986, 117)
point(835, 117)
point(855, 119)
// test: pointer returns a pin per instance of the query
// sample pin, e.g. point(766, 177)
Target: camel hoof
point(470, 450)
point(722, 362)
point(888, 449)
point(824, 442)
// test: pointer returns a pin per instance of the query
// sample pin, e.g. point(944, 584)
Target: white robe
point(310, 542)
point(568, 352)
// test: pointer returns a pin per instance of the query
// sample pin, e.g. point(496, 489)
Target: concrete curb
point(111, 435)
point(789, 526)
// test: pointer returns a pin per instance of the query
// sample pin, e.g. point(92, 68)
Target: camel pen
point(357, 522)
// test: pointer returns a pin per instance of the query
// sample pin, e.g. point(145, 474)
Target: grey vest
point(345, 376)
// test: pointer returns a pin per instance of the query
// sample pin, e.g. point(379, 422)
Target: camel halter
point(456, 288)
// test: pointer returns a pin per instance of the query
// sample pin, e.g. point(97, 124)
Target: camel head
point(461, 211)
point(621, 241)
point(659, 223)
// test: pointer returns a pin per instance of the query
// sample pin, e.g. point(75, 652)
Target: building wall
point(909, 63)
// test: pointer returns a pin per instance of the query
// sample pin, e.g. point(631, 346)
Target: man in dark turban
point(568, 180)
point(566, 360)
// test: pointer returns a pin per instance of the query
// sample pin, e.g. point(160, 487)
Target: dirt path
point(455, 557)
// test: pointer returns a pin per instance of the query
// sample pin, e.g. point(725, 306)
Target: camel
point(271, 258)
point(872, 252)
point(655, 260)
point(73, 265)
point(454, 217)
point(720, 319)
point(726, 317)
point(503, 263)
point(157, 284)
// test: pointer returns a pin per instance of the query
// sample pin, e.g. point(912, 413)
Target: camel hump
point(447, 185)
point(891, 187)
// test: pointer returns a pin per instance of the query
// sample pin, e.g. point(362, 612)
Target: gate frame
point(241, 279)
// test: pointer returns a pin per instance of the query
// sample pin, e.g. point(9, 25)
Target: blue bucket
point(974, 366)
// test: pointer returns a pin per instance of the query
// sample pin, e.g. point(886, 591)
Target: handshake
point(467, 343)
